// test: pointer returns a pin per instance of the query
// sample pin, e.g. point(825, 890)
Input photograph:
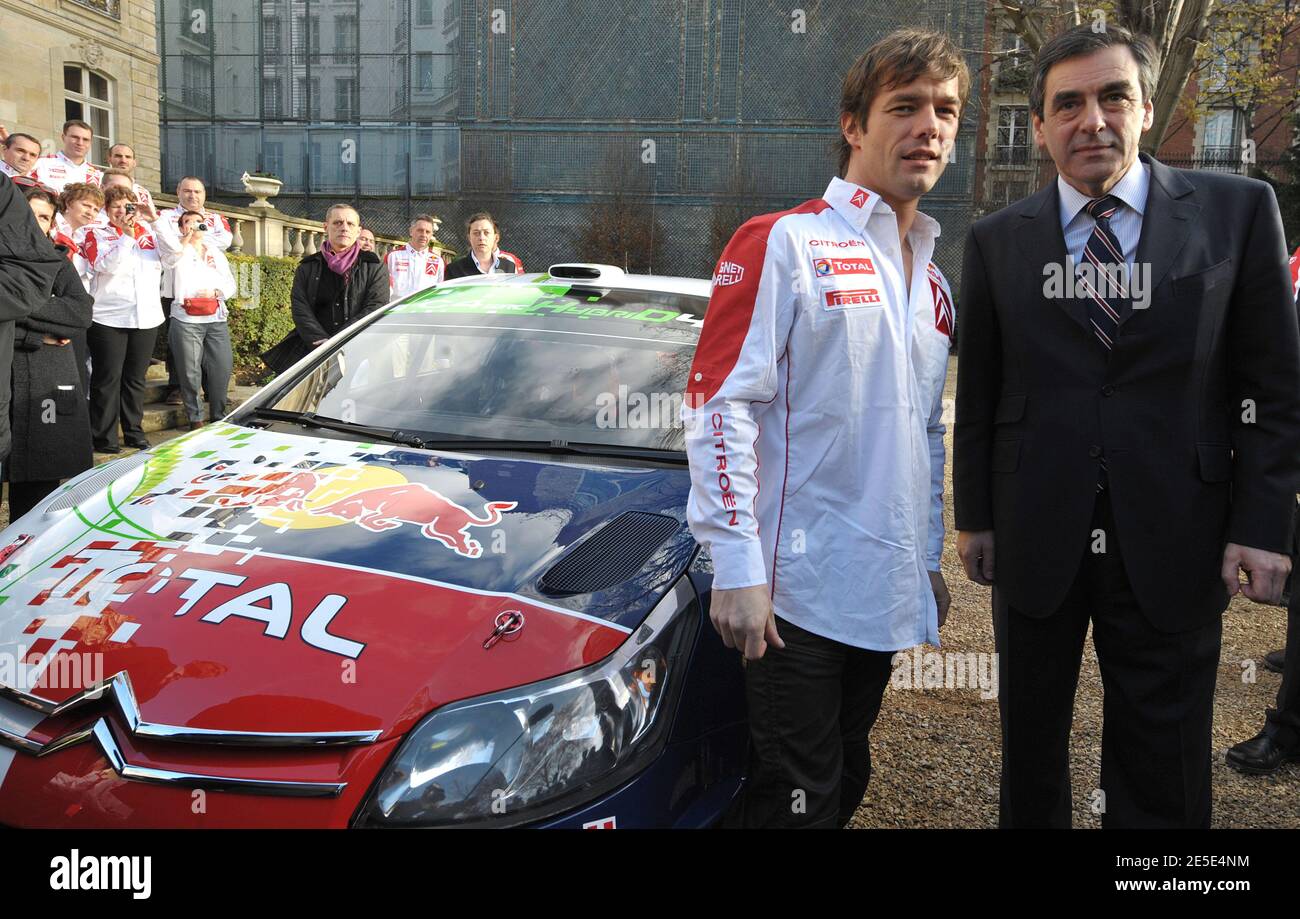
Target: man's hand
point(1265, 573)
point(941, 596)
point(975, 549)
point(744, 619)
point(4, 134)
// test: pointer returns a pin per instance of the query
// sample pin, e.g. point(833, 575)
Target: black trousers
point(173, 381)
point(1157, 709)
point(119, 359)
point(23, 496)
point(811, 709)
point(1283, 723)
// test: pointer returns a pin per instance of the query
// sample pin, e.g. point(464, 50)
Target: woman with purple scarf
point(333, 288)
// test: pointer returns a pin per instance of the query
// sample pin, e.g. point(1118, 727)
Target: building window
point(306, 103)
point(344, 98)
point(424, 145)
point(345, 39)
point(271, 36)
point(1013, 63)
point(424, 12)
point(1221, 140)
point(111, 8)
point(271, 103)
point(424, 72)
point(273, 158)
point(1013, 136)
point(88, 97)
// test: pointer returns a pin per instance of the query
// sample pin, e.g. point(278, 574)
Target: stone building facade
point(91, 59)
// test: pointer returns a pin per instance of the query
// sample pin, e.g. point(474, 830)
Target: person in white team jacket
point(199, 336)
point(417, 264)
point(814, 433)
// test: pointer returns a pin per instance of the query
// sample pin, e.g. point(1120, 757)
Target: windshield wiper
point(312, 420)
point(576, 448)
point(429, 441)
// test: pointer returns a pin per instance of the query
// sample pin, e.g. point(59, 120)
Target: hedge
point(259, 317)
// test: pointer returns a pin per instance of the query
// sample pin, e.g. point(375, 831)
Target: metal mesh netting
point(639, 132)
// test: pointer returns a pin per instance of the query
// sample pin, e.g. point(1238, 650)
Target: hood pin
point(508, 625)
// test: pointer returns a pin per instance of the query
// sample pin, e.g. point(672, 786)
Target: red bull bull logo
point(438, 517)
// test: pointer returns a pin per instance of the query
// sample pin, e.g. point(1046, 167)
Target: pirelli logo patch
point(728, 273)
point(841, 299)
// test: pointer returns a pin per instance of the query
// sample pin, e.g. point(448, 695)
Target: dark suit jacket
point(1192, 463)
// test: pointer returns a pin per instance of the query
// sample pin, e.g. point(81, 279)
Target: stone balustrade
point(267, 231)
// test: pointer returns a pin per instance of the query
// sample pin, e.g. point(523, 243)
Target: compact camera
point(130, 208)
point(202, 228)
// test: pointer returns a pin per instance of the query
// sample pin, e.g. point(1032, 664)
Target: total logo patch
point(605, 823)
point(839, 299)
point(826, 267)
point(728, 273)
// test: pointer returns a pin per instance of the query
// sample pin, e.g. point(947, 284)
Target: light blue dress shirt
point(1125, 223)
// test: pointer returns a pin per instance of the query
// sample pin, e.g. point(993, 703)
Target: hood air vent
point(614, 553)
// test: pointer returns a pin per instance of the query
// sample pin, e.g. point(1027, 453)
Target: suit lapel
point(1042, 244)
point(1168, 219)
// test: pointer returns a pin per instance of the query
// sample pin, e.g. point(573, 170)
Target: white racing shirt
point(410, 270)
point(167, 226)
point(814, 419)
point(56, 171)
point(123, 274)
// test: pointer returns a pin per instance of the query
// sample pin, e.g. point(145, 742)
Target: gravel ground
point(936, 752)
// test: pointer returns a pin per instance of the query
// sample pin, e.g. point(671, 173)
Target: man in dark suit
point(1126, 445)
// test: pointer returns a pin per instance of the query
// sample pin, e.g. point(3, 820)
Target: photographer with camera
point(123, 271)
point(192, 195)
point(198, 336)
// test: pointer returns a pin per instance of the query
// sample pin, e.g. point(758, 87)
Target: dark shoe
point(1275, 660)
point(107, 448)
point(1260, 755)
point(137, 441)
point(173, 396)
point(195, 425)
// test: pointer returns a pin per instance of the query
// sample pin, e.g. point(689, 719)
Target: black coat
point(366, 290)
point(51, 417)
point(28, 265)
point(1192, 465)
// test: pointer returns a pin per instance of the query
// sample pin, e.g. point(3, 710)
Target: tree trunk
point(1188, 30)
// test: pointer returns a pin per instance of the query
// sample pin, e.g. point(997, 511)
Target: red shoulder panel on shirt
point(731, 305)
point(1295, 271)
point(519, 266)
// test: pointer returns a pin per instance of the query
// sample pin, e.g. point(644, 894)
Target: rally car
point(437, 574)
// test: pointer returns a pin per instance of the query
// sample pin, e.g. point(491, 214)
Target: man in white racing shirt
point(813, 418)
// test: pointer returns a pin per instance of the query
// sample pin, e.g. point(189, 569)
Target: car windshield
point(539, 361)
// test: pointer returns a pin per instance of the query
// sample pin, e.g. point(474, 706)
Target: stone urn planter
point(261, 188)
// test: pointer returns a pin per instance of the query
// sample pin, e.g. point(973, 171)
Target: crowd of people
point(120, 274)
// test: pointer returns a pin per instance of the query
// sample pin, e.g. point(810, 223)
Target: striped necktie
point(1108, 301)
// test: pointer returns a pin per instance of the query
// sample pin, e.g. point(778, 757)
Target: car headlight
point(538, 750)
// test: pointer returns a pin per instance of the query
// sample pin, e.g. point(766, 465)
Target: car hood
point(252, 581)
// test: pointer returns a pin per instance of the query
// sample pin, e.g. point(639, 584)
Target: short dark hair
point(183, 179)
point(1082, 40)
point(482, 215)
point(896, 60)
point(122, 143)
point(77, 123)
point(181, 219)
point(421, 218)
point(17, 135)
